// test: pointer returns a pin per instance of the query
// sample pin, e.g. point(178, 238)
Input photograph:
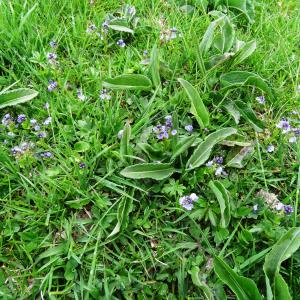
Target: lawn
point(149, 149)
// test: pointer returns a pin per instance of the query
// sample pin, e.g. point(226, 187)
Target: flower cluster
point(261, 99)
point(187, 202)
point(273, 202)
point(164, 131)
point(104, 95)
point(217, 163)
point(286, 128)
point(121, 43)
point(167, 35)
point(52, 85)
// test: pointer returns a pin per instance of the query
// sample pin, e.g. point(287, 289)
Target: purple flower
point(219, 160)
point(131, 10)
point(51, 56)
point(288, 209)
point(91, 28)
point(104, 95)
point(210, 163)
point(33, 121)
point(46, 154)
point(145, 52)
point(284, 125)
point(80, 95)
point(270, 148)
point(21, 118)
point(82, 165)
point(42, 134)
point(261, 99)
point(6, 119)
point(187, 202)
point(296, 131)
point(47, 105)
point(52, 85)
point(53, 44)
point(121, 43)
point(47, 121)
point(292, 139)
point(16, 150)
point(219, 171)
point(189, 128)
point(174, 132)
point(37, 127)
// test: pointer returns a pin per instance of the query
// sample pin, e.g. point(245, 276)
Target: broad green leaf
point(125, 141)
point(208, 37)
point(155, 66)
point(222, 196)
point(152, 153)
point(282, 250)
point(157, 171)
point(237, 79)
point(244, 6)
point(281, 289)
point(202, 152)
point(124, 209)
point(183, 145)
point(17, 96)
point(201, 284)
point(81, 146)
point(249, 115)
point(239, 160)
point(128, 82)
point(198, 109)
point(225, 38)
point(245, 51)
point(121, 28)
point(233, 111)
point(244, 288)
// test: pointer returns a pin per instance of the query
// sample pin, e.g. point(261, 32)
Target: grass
point(58, 220)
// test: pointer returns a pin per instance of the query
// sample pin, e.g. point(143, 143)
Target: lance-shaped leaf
point(124, 144)
point(195, 272)
point(244, 288)
point(236, 79)
point(225, 38)
point(120, 25)
point(282, 250)
point(17, 96)
point(244, 6)
point(183, 145)
point(157, 171)
point(155, 66)
point(238, 160)
point(222, 196)
point(124, 209)
point(198, 109)
point(245, 51)
point(202, 152)
point(249, 115)
point(128, 82)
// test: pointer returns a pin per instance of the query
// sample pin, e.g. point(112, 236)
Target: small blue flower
point(174, 132)
point(6, 120)
point(52, 85)
point(145, 52)
point(21, 118)
point(42, 134)
point(296, 131)
point(10, 134)
point(53, 44)
point(210, 163)
point(46, 154)
point(47, 105)
point(219, 160)
point(33, 122)
point(17, 150)
point(261, 99)
point(51, 56)
point(292, 139)
point(104, 95)
point(288, 209)
point(189, 128)
point(270, 148)
point(80, 95)
point(47, 121)
point(255, 208)
point(82, 165)
point(37, 127)
point(187, 202)
point(284, 125)
point(91, 28)
point(121, 43)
